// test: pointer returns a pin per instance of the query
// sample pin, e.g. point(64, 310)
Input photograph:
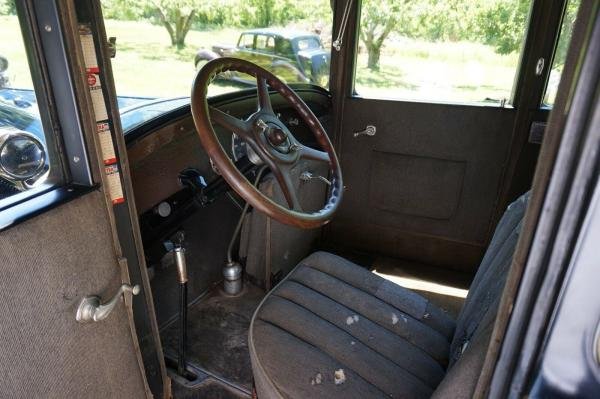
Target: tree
point(7, 7)
point(257, 13)
point(177, 17)
point(378, 20)
point(502, 24)
point(566, 32)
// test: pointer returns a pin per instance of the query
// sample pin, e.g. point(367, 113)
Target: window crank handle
point(370, 131)
point(91, 309)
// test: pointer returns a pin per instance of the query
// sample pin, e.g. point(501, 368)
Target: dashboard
point(159, 151)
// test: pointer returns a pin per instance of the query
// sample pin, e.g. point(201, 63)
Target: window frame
point(512, 101)
point(42, 29)
point(241, 41)
point(543, 105)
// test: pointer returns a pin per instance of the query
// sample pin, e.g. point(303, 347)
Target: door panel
point(60, 243)
point(49, 264)
point(424, 187)
point(431, 184)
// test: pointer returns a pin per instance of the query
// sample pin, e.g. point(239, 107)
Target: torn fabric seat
point(332, 329)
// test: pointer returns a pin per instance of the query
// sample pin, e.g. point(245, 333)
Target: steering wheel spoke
point(237, 126)
point(264, 100)
point(315, 155)
point(288, 188)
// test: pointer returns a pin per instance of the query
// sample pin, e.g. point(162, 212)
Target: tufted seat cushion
point(332, 329)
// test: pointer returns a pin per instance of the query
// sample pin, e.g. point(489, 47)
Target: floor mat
point(218, 335)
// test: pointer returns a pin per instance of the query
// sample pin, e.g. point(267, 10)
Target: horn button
point(277, 137)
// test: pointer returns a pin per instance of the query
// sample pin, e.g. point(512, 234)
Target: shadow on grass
point(158, 51)
point(385, 77)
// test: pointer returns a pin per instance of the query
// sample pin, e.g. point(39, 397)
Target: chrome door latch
point(370, 131)
point(91, 309)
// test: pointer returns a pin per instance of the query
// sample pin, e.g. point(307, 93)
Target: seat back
point(476, 319)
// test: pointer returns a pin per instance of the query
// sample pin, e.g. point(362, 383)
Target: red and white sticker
point(106, 143)
point(98, 99)
point(107, 147)
point(87, 46)
point(113, 180)
point(92, 72)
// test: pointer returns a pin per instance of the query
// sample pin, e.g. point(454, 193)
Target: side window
point(284, 48)
point(247, 41)
point(270, 47)
point(29, 163)
point(560, 52)
point(261, 43)
point(459, 51)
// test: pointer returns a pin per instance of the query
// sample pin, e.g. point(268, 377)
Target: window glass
point(284, 48)
point(460, 51)
point(308, 43)
point(247, 41)
point(28, 162)
point(262, 43)
point(560, 53)
point(161, 44)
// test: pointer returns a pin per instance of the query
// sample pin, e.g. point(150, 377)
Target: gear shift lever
point(179, 253)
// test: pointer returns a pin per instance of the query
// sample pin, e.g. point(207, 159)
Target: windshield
point(162, 44)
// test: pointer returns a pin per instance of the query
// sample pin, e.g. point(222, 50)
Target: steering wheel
point(270, 139)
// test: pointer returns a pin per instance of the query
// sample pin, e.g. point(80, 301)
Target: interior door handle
point(91, 309)
point(370, 130)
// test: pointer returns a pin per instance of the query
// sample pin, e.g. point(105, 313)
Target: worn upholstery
point(329, 314)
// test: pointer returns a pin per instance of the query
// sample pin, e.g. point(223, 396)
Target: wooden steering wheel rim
point(203, 114)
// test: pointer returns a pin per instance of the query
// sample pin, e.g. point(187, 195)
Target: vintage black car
point(391, 236)
point(294, 56)
point(4, 81)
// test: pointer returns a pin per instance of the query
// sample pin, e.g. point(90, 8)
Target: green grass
point(147, 65)
point(425, 71)
point(12, 48)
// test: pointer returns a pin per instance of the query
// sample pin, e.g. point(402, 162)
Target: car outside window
point(29, 163)
point(158, 56)
point(265, 44)
point(284, 47)
point(308, 43)
point(246, 41)
point(458, 51)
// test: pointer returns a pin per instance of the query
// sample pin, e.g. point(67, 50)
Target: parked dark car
point(3, 67)
point(294, 56)
point(23, 160)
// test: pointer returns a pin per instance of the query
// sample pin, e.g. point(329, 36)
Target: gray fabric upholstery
point(270, 247)
point(330, 314)
point(48, 264)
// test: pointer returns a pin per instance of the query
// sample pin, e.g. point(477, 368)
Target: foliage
point(177, 17)
point(125, 10)
point(443, 20)
point(257, 13)
point(378, 20)
point(498, 23)
point(7, 7)
point(501, 24)
point(565, 34)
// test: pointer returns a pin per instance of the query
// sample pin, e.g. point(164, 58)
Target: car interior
point(296, 241)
